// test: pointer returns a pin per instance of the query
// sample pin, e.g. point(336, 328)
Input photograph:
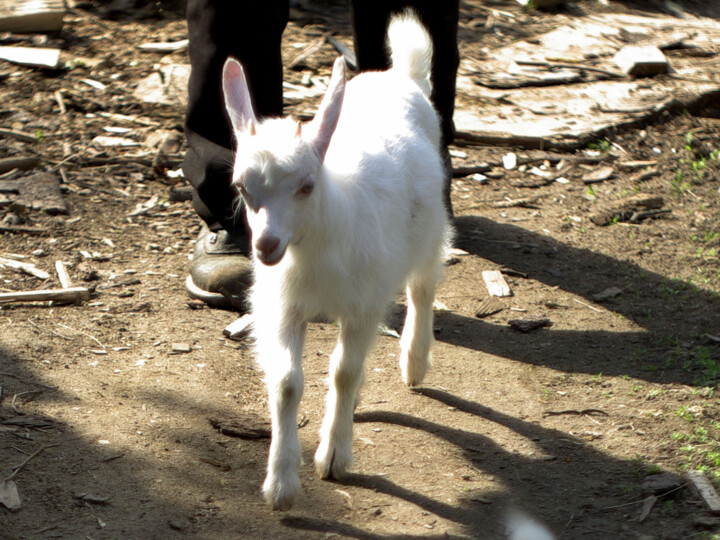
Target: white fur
point(342, 216)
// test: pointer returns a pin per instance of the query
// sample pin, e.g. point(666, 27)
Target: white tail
point(344, 212)
point(411, 50)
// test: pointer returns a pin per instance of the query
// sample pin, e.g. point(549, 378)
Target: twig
point(580, 67)
point(19, 378)
point(84, 334)
point(587, 305)
point(60, 102)
point(19, 135)
point(342, 49)
point(27, 460)
point(576, 412)
point(48, 330)
point(642, 501)
point(10, 229)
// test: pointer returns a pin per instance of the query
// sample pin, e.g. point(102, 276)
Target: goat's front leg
point(279, 348)
point(334, 455)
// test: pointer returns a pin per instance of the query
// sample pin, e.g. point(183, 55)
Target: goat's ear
point(237, 97)
point(326, 119)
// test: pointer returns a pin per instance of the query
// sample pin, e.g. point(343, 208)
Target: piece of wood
point(647, 507)
point(22, 164)
point(20, 229)
point(240, 329)
point(530, 323)
point(25, 16)
point(610, 292)
point(73, 294)
point(495, 283)
point(307, 52)
point(28, 268)
point(598, 175)
point(9, 496)
point(342, 49)
point(706, 490)
point(624, 209)
point(40, 191)
point(31, 56)
point(62, 275)
point(489, 306)
point(244, 426)
point(165, 47)
point(19, 135)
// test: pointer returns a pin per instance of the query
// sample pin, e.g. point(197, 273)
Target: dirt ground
point(590, 425)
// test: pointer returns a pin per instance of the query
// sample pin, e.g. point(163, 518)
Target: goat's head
point(278, 162)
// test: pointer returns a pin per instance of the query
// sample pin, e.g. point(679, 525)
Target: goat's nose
point(267, 244)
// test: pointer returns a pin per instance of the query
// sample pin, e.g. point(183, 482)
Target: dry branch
point(73, 294)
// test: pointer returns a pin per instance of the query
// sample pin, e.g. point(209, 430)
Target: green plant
point(601, 145)
point(679, 185)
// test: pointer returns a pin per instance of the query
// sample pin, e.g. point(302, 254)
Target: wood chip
point(171, 46)
point(610, 292)
point(9, 496)
point(31, 56)
point(706, 490)
point(180, 348)
point(528, 324)
point(62, 274)
point(90, 498)
point(28, 268)
point(489, 306)
point(223, 466)
point(598, 175)
point(647, 507)
point(495, 283)
point(623, 209)
point(40, 192)
point(244, 426)
point(240, 329)
point(21, 164)
point(26, 16)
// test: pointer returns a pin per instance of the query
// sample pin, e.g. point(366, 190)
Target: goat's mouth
point(270, 259)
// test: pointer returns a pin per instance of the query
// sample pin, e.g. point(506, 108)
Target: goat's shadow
point(564, 469)
point(667, 311)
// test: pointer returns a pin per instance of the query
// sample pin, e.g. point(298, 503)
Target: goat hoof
point(281, 494)
point(413, 370)
point(329, 465)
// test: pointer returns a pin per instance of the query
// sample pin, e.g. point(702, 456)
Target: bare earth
point(589, 425)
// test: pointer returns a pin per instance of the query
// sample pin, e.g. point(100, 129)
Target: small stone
point(641, 61)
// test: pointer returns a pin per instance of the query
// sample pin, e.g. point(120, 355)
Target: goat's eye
point(306, 189)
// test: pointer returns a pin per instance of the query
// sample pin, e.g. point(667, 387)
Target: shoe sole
point(215, 300)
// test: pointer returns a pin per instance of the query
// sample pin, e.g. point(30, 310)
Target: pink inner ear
point(237, 96)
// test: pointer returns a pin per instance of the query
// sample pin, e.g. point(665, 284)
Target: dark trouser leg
point(250, 32)
point(440, 17)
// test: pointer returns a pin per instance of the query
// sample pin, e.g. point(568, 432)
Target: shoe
point(220, 272)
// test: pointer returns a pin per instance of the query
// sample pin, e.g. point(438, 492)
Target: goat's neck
point(332, 215)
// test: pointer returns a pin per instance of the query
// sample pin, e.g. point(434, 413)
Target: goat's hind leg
point(334, 454)
point(417, 336)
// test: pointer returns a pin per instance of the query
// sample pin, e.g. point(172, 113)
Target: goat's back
point(382, 216)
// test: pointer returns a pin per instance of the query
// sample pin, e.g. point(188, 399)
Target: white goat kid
point(343, 211)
